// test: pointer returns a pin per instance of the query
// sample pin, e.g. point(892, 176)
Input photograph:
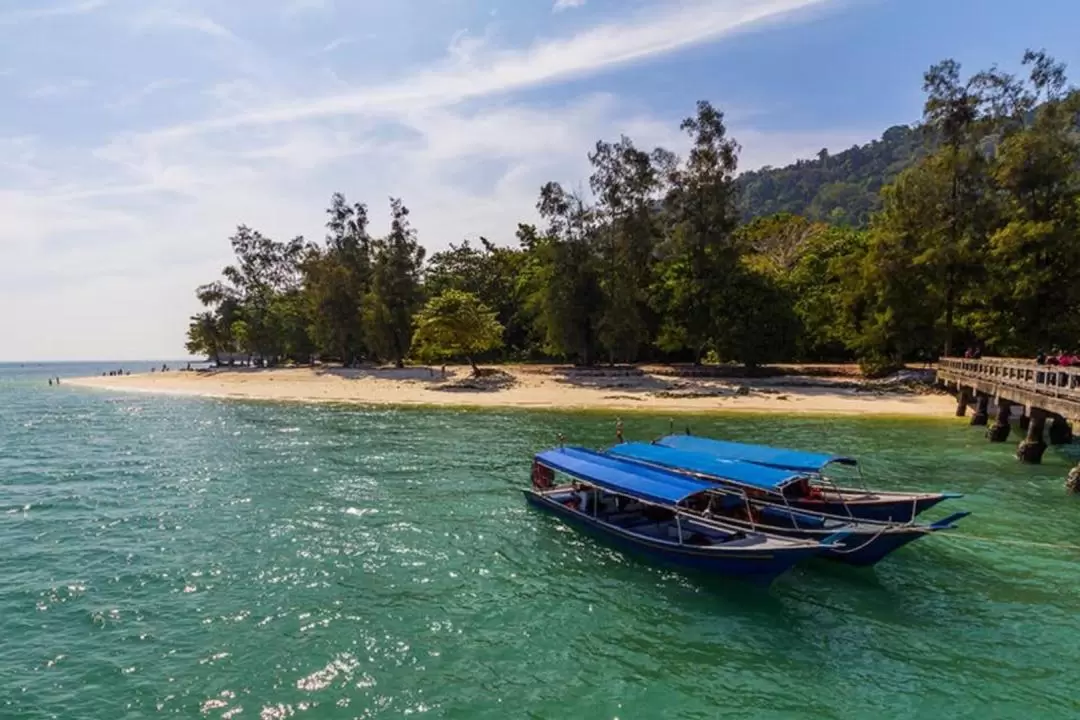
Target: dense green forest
point(843, 189)
point(960, 231)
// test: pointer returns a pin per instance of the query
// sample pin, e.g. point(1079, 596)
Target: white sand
point(533, 387)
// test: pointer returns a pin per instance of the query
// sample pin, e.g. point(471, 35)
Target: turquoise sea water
point(200, 558)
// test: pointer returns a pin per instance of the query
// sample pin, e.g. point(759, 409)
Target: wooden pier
point(1048, 395)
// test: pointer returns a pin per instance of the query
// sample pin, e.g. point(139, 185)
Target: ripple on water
point(205, 558)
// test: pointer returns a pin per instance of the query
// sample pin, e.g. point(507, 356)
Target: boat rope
point(875, 536)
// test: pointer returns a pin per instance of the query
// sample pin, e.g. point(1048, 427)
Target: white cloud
point(561, 5)
point(297, 7)
point(133, 98)
point(81, 7)
point(337, 43)
point(495, 72)
point(165, 16)
point(58, 89)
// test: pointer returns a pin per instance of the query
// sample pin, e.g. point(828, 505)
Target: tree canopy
point(960, 231)
point(455, 323)
point(842, 188)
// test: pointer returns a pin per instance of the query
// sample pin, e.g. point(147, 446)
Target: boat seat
point(673, 534)
point(646, 527)
point(621, 518)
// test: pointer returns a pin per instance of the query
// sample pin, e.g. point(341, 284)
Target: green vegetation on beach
point(962, 231)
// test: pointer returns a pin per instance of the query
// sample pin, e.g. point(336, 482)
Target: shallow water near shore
point(190, 557)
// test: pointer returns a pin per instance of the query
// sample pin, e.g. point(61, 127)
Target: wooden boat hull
point(863, 548)
point(899, 510)
point(864, 543)
point(758, 566)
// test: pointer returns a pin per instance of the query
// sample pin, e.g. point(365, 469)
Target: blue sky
point(136, 134)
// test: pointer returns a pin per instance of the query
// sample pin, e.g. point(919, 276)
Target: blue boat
point(817, 493)
point(640, 510)
point(732, 500)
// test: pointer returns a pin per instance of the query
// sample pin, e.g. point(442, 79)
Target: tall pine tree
point(395, 287)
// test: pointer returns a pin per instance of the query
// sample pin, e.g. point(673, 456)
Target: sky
point(135, 135)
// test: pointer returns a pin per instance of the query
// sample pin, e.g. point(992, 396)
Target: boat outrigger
point(737, 499)
point(819, 493)
point(645, 511)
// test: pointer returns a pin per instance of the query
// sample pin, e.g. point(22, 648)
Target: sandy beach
point(541, 387)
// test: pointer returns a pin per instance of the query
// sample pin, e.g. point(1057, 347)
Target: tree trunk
point(950, 302)
point(953, 233)
point(399, 354)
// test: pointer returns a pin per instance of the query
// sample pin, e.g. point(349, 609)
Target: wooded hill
point(842, 188)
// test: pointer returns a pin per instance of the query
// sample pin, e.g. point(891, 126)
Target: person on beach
point(619, 431)
point(50, 382)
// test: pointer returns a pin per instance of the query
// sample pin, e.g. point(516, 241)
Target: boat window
point(698, 503)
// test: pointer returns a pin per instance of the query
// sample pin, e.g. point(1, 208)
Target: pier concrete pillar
point(963, 397)
point(982, 410)
point(1060, 431)
point(999, 431)
point(1072, 482)
point(1033, 446)
point(1025, 420)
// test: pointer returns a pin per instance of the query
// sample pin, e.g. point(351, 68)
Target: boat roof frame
point(822, 460)
point(776, 489)
point(548, 459)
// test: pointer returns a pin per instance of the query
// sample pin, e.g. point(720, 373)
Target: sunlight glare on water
point(200, 558)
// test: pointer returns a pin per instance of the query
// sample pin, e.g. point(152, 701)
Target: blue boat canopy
point(741, 473)
point(620, 476)
point(781, 458)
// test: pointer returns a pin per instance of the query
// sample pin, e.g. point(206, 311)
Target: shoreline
point(537, 388)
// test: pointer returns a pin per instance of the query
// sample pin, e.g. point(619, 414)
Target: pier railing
point(1050, 381)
